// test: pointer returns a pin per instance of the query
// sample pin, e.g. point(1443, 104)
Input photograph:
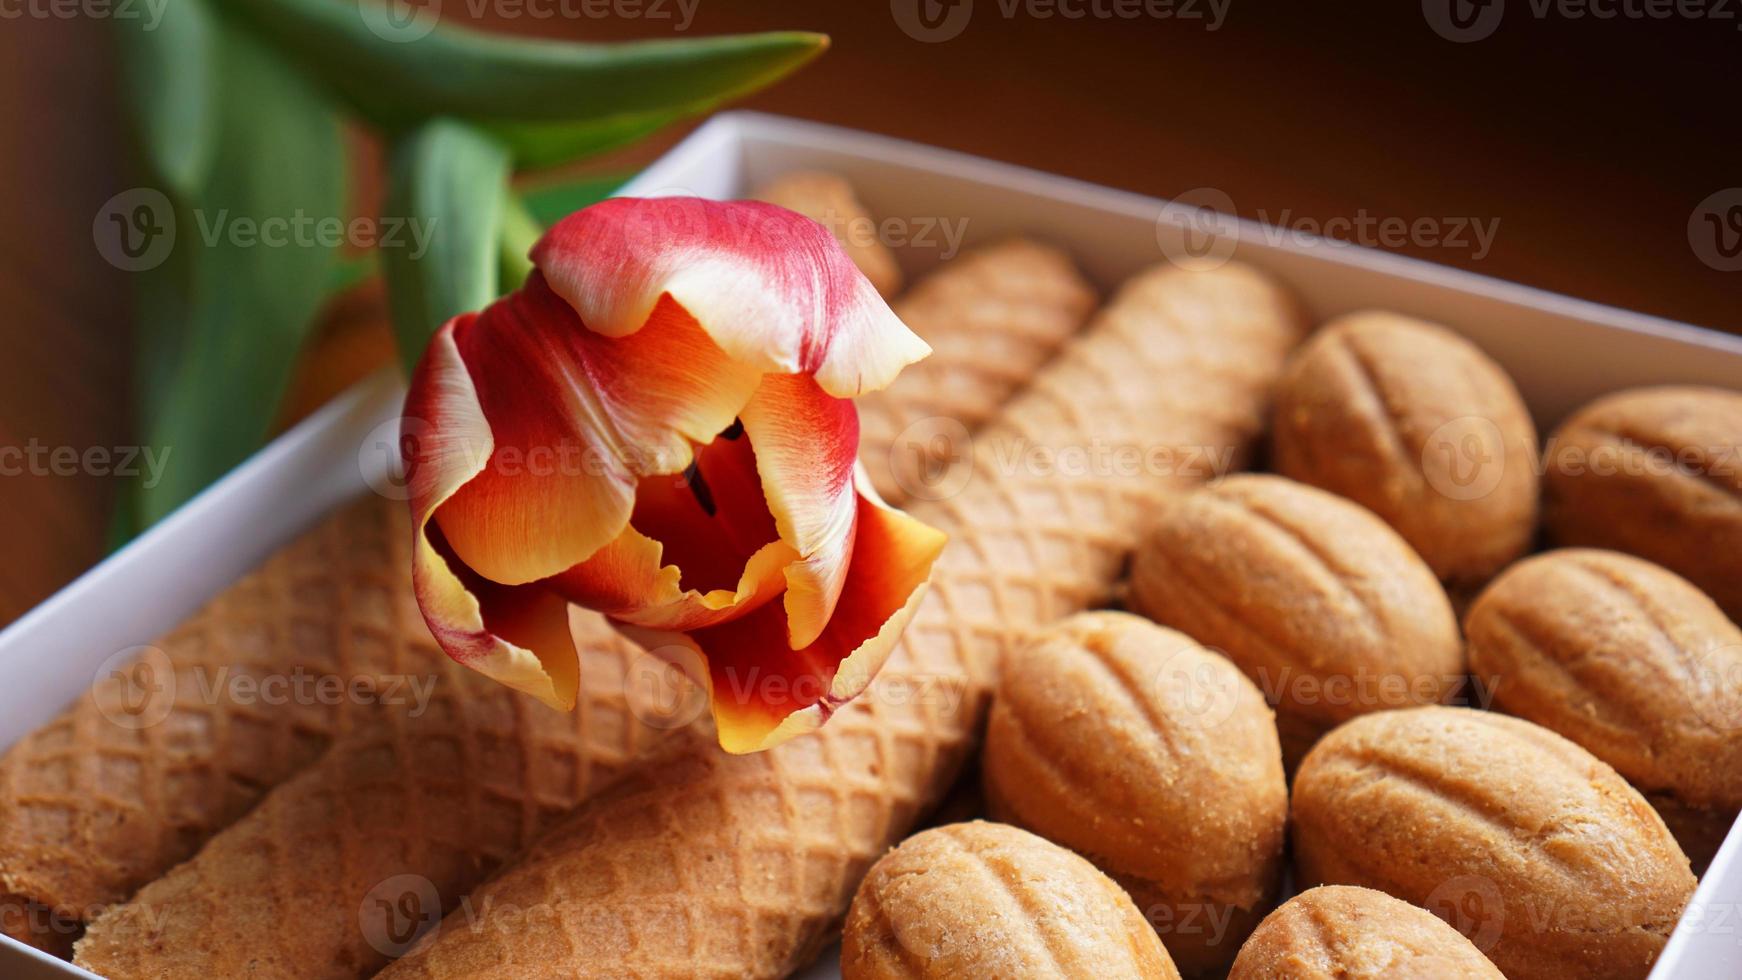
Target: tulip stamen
point(698, 485)
point(734, 431)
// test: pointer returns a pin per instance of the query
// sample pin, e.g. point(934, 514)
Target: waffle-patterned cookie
point(427, 806)
point(714, 866)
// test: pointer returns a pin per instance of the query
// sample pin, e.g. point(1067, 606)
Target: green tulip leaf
point(547, 144)
point(447, 181)
point(221, 319)
point(167, 86)
point(520, 232)
point(399, 64)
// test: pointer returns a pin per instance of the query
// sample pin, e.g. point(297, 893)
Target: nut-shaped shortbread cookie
point(1655, 472)
point(1156, 759)
point(1419, 426)
point(1340, 932)
point(1529, 845)
point(1312, 596)
point(1630, 661)
point(974, 900)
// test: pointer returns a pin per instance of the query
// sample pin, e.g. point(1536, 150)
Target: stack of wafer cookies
point(160, 754)
point(510, 766)
point(739, 866)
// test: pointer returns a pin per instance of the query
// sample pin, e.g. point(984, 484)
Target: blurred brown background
point(1590, 140)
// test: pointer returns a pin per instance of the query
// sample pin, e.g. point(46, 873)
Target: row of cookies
point(1622, 638)
point(1155, 760)
point(1153, 753)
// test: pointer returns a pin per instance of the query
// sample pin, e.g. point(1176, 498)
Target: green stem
point(520, 231)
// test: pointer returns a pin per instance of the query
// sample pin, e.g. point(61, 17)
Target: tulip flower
point(658, 425)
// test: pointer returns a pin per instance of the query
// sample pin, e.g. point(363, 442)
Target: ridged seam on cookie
point(1643, 603)
point(1637, 590)
point(1320, 572)
point(1487, 804)
point(1323, 559)
point(1032, 908)
point(1382, 417)
point(1647, 446)
point(1528, 645)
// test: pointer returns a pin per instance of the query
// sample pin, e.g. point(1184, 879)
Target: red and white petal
point(577, 418)
point(773, 288)
point(807, 444)
point(763, 692)
point(516, 635)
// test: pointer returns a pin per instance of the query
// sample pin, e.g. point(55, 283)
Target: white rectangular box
point(1561, 351)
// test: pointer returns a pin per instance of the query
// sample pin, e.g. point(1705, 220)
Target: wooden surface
point(1589, 141)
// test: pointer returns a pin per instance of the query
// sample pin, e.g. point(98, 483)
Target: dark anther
point(692, 477)
point(733, 431)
